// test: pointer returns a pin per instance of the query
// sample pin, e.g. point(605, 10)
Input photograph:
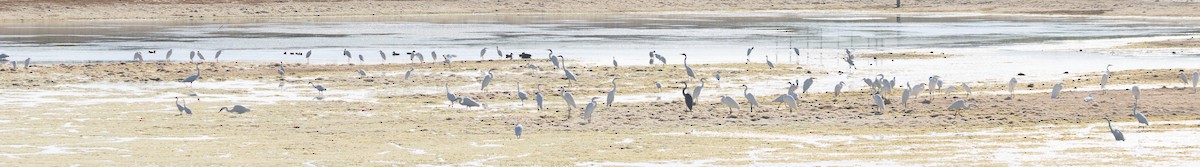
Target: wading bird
point(687, 98)
point(878, 102)
point(169, 52)
point(239, 109)
point(837, 89)
point(320, 89)
point(729, 102)
point(449, 96)
point(770, 65)
point(1116, 133)
point(696, 91)
point(567, 73)
point(408, 73)
point(750, 100)
point(748, 54)
point(587, 111)
point(307, 55)
point(467, 101)
point(183, 108)
point(1140, 118)
point(518, 128)
point(138, 56)
point(1056, 90)
point(192, 79)
point(1137, 94)
point(538, 97)
point(569, 99)
point(487, 79)
point(521, 93)
point(904, 97)
point(483, 51)
point(361, 73)
point(687, 68)
point(807, 84)
point(612, 93)
point(1012, 85)
point(554, 59)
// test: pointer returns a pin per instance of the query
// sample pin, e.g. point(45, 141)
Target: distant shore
point(168, 9)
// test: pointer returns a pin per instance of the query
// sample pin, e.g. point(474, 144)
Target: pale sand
point(160, 9)
point(123, 114)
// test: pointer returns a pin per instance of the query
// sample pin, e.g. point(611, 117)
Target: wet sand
point(165, 9)
point(123, 114)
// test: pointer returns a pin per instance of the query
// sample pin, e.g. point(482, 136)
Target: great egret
point(183, 108)
point(361, 73)
point(192, 79)
point(1183, 77)
point(750, 100)
point(837, 89)
point(1056, 90)
point(933, 82)
point(320, 89)
point(807, 84)
point(587, 111)
point(138, 56)
point(307, 55)
point(696, 91)
point(904, 97)
point(687, 68)
point(169, 52)
point(1137, 94)
point(217, 57)
point(567, 73)
point(1116, 133)
point(729, 102)
point(787, 100)
point(554, 59)
point(612, 93)
point(450, 96)
point(487, 79)
point(916, 90)
point(1195, 80)
point(1103, 81)
point(521, 93)
point(483, 51)
point(538, 97)
point(870, 83)
point(878, 101)
point(518, 128)
point(687, 98)
point(569, 99)
point(467, 101)
point(1140, 118)
point(959, 104)
point(531, 66)
point(966, 88)
point(239, 109)
point(770, 65)
point(1012, 85)
point(408, 73)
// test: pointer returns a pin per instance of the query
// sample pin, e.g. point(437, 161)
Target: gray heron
point(282, 71)
point(192, 79)
point(1056, 90)
point(687, 68)
point(346, 53)
point(1137, 94)
point(239, 109)
point(169, 52)
point(383, 56)
point(450, 96)
point(408, 73)
point(538, 97)
point(191, 56)
point(361, 73)
point(652, 57)
point(183, 108)
point(483, 51)
point(414, 56)
point(320, 89)
point(217, 57)
point(849, 58)
point(361, 59)
point(1140, 118)
point(1012, 86)
point(687, 98)
point(521, 93)
point(434, 55)
point(201, 56)
point(138, 56)
point(498, 52)
point(1116, 133)
point(467, 101)
point(748, 54)
point(770, 65)
point(1195, 80)
point(518, 128)
point(660, 58)
point(308, 55)
point(27, 62)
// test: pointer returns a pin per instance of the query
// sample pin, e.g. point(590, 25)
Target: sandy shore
point(165, 9)
point(123, 114)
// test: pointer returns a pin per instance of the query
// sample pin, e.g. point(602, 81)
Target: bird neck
point(1110, 125)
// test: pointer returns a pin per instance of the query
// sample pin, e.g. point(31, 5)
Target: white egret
point(1103, 81)
point(531, 66)
point(1056, 90)
point(192, 79)
point(27, 62)
point(837, 89)
point(521, 93)
point(933, 81)
point(687, 68)
point(696, 91)
point(138, 56)
point(1116, 133)
point(729, 102)
point(1140, 118)
point(1137, 94)
point(787, 100)
point(718, 76)
point(878, 101)
point(518, 128)
point(904, 97)
point(687, 98)
point(770, 65)
point(567, 73)
point(916, 90)
point(959, 104)
point(408, 73)
point(870, 83)
point(612, 93)
point(467, 101)
point(750, 100)
point(554, 59)
point(450, 96)
point(1012, 86)
point(239, 109)
point(1195, 80)
point(807, 84)
point(966, 88)
point(569, 99)
point(487, 79)
point(950, 89)
point(587, 111)
point(320, 89)
point(183, 108)
point(538, 97)
point(1183, 77)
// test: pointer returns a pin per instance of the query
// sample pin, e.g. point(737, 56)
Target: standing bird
point(200, 55)
point(27, 62)
point(612, 93)
point(904, 97)
point(1056, 90)
point(408, 73)
point(567, 73)
point(14, 65)
point(614, 63)
point(696, 91)
point(192, 79)
point(837, 89)
point(434, 55)
point(1183, 77)
point(521, 93)
point(307, 55)
point(487, 78)
point(414, 56)
point(281, 71)
point(348, 56)
point(750, 100)
point(1137, 94)
point(718, 76)
point(687, 68)
point(138, 56)
point(770, 65)
point(587, 111)
point(1012, 86)
point(531, 66)
point(538, 97)
point(729, 102)
point(1090, 98)
point(652, 57)
point(361, 59)
point(966, 88)
point(657, 84)
point(959, 105)
point(518, 128)
point(1116, 133)
point(878, 101)
point(361, 73)
point(748, 54)
point(1195, 80)
point(467, 101)
point(320, 89)
point(1141, 118)
point(790, 101)
point(569, 99)
point(383, 56)
point(217, 57)
point(169, 52)
point(191, 56)
point(239, 109)
point(553, 59)
point(450, 96)
point(807, 84)
point(687, 98)
point(660, 58)
point(498, 52)
point(1103, 81)
point(183, 108)
point(484, 50)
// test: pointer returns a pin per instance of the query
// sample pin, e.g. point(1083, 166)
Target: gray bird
point(466, 101)
point(450, 96)
point(687, 98)
point(192, 79)
point(183, 108)
point(138, 56)
point(408, 73)
point(521, 93)
point(1116, 133)
point(538, 97)
point(320, 89)
point(587, 111)
point(239, 109)
point(517, 129)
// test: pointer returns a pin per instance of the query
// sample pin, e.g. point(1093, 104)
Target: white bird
point(521, 93)
point(217, 57)
point(531, 66)
point(770, 65)
point(569, 99)
point(916, 90)
point(567, 73)
point(487, 79)
point(837, 89)
point(307, 55)
point(1137, 94)
point(696, 91)
point(1195, 80)
point(612, 93)
point(729, 102)
point(878, 101)
point(1183, 77)
point(1056, 90)
point(239, 109)
point(807, 84)
point(959, 105)
point(553, 59)
point(1089, 98)
point(966, 88)
point(27, 62)
point(169, 52)
point(183, 108)
point(1103, 81)
point(538, 97)
point(587, 111)
point(1116, 133)
point(467, 101)
point(690, 73)
point(950, 89)
point(904, 97)
point(1012, 85)
point(408, 73)
point(450, 96)
point(518, 128)
point(787, 100)
point(281, 71)
point(192, 79)
point(933, 82)
point(320, 89)
point(1141, 118)
point(138, 56)
point(750, 100)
